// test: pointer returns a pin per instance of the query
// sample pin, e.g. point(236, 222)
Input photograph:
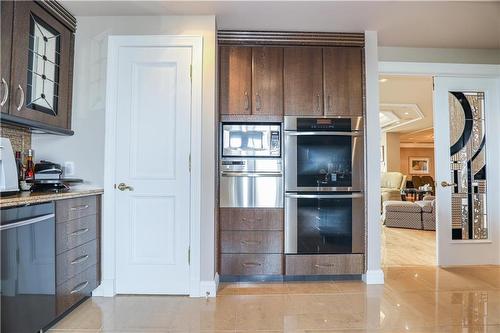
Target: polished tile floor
point(414, 299)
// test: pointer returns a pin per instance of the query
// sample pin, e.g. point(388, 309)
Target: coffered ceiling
point(406, 103)
point(452, 24)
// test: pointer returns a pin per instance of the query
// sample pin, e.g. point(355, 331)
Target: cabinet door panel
point(235, 80)
point(7, 9)
point(267, 81)
point(343, 81)
point(41, 66)
point(303, 75)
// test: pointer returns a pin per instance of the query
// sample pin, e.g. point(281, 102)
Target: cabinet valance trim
point(288, 38)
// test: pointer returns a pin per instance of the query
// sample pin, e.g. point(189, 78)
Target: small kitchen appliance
point(8, 169)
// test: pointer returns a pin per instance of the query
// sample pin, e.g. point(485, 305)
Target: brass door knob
point(123, 187)
point(446, 184)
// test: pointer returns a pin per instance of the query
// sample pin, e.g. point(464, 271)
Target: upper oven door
point(324, 161)
point(251, 140)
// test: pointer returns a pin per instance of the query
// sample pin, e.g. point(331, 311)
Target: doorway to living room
point(407, 161)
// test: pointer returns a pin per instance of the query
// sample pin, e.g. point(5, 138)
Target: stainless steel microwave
point(250, 140)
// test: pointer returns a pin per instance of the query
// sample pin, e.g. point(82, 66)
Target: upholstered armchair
point(391, 184)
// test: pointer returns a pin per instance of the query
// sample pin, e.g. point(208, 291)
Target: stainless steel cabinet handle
point(293, 133)
point(21, 99)
point(323, 196)
point(251, 174)
point(80, 259)
point(246, 242)
point(245, 220)
point(324, 265)
point(79, 287)
point(329, 103)
point(79, 232)
point(251, 264)
point(446, 184)
point(258, 102)
point(6, 94)
point(247, 101)
point(318, 97)
point(82, 207)
point(123, 187)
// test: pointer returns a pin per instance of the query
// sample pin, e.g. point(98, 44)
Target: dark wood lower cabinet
point(72, 291)
point(325, 264)
point(251, 264)
point(78, 250)
point(251, 241)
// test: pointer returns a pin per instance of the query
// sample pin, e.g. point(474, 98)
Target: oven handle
point(251, 174)
point(324, 196)
point(324, 133)
point(27, 222)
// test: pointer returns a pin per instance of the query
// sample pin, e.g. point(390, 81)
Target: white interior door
point(466, 127)
point(152, 161)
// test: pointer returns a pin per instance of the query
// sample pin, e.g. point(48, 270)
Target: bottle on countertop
point(30, 166)
point(20, 166)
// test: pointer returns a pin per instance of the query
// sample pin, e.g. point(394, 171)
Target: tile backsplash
point(20, 138)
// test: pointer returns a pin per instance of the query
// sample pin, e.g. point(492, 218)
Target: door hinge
point(189, 162)
point(191, 72)
point(433, 83)
point(189, 255)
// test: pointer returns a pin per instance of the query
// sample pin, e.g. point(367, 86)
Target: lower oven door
point(251, 189)
point(324, 223)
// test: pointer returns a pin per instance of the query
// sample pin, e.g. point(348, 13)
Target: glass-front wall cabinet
point(41, 66)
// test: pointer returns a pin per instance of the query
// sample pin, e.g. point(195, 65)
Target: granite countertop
point(24, 198)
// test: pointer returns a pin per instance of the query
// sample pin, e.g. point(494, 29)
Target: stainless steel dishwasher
point(28, 262)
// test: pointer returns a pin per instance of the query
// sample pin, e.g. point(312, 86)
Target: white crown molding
point(416, 145)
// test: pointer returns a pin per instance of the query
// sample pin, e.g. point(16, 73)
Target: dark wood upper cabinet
point(267, 81)
point(303, 81)
point(343, 81)
point(41, 66)
point(235, 80)
point(6, 11)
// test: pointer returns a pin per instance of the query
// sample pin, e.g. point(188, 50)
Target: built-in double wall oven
point(324, 181)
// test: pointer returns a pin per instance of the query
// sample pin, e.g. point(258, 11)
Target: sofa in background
point(391, 184)
point(412, 215)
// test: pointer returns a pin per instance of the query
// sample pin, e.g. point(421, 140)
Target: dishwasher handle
point(27, 222)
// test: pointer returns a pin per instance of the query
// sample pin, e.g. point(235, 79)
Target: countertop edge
point(31, 198)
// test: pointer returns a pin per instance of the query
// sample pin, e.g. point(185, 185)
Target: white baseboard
point(209, 288)
point(105, 289)
point(374, 277)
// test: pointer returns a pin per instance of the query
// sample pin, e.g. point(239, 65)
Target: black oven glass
point(324, 225)
point(324, 161)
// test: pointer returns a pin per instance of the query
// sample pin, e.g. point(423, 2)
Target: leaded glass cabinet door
point(466, 112)
point(41, 74)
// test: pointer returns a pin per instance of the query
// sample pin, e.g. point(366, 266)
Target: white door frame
point(440, 69)
point(108, 255)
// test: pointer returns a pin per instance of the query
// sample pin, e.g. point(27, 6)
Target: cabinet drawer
point(76, 288)
point(335, 264)
point(75, 208)
point(251, 218)
point(252, 242)
point(74, 233)
point(251, 264)
point(75, 261)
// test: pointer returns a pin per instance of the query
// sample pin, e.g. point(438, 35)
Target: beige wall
point(405, 153)
point(390, 141)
